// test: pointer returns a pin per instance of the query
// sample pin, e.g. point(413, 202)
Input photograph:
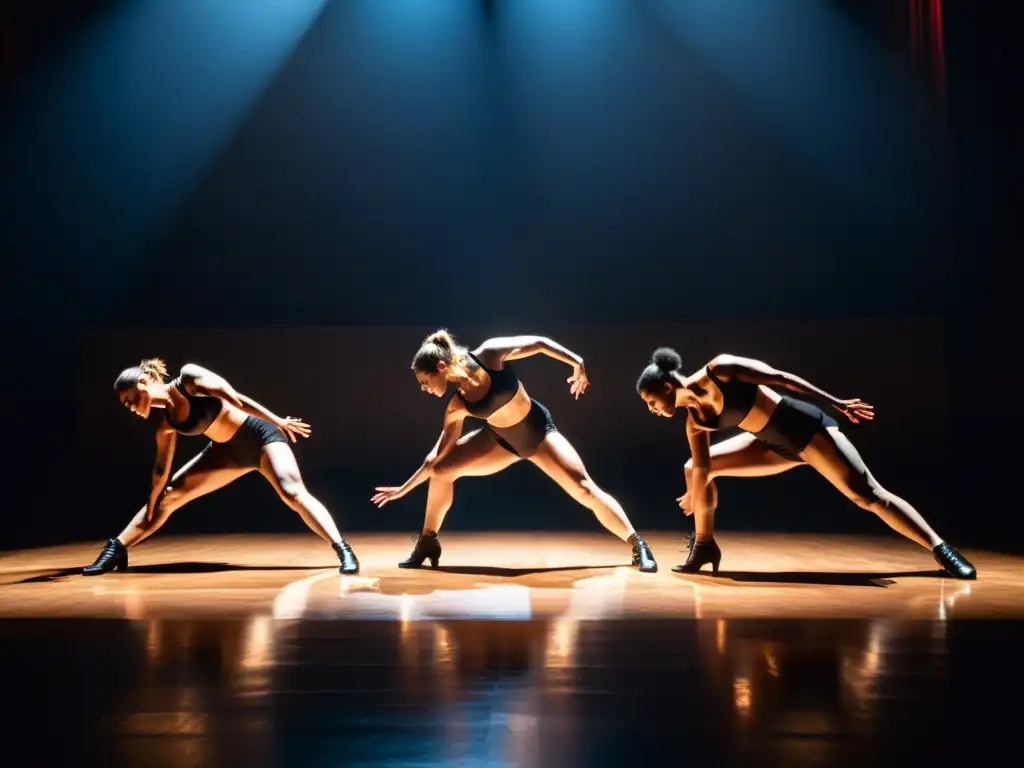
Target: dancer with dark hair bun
point(243, 436)
point(780, 432)
point(517, 428)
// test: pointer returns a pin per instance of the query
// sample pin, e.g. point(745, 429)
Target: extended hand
point(385, 494)
point(578, 382)
point(685, 503)
point(293, 428)
point(856, 409)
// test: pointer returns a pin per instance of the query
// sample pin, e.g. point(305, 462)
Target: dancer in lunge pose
point(517, 428)
point(781, 432)
point(243, 436)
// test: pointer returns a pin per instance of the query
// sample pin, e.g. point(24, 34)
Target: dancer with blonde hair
point(517, 428)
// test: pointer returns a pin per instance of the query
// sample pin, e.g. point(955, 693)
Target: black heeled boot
point(953, 562)
point(113, 557)
point(701, 552)
point(349, 561)
point(642, 555)
point(427, 548)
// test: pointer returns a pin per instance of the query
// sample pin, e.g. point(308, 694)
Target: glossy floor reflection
point(224, 661)
point(266, 692)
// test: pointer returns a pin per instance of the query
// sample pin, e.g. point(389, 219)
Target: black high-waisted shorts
point(246, 445)
point(792, 426)
point(524, 438)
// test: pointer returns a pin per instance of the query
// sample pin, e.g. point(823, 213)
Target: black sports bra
point(504, 385)
point(738, 398)
point(202, 410)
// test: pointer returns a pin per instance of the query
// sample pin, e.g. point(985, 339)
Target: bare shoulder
point(726, 366)
point(492, 352)
point(722, 360)
point(194, 371)
point(203, 377)
point(188, 376)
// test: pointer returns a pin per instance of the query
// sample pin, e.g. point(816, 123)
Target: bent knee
point(170, 500)
point(867, 495)
point(445, 471)
point(584, 490)
point(293, 491)
point(448, 469)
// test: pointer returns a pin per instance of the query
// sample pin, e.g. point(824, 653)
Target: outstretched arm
point(166, 439)
point(517, 347)
point(205, 382)
point(454, 415)
point(757, 372)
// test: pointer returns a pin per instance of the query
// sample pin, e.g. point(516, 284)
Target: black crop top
point(738, 398)
point(202, 410)
point(504, 385)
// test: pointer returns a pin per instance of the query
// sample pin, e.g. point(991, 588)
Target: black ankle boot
point(953, 562)
point(643, 557)
point(427, 548)
point(701, 552)
point(349, 562)
point(113, 557)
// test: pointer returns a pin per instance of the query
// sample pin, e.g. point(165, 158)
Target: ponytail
point(439, 346)
point(442, 339)
point(129, 378)
point(154, 367)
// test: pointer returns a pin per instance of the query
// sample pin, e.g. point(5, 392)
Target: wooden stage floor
point(526, 650)
point(508, 576)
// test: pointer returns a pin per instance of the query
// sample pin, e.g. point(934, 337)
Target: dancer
point(244, 436)
point(781, 432)
point(517, 428)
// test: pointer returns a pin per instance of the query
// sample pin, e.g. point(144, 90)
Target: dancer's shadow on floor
point(510, 573)
point(821, 578)
point(193, 567)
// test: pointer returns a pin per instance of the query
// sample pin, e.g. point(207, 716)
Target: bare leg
point(474, 455)
point(205, 473)
point(559, 461)
point(278, 465)
point(740, 456)
point(836, 458)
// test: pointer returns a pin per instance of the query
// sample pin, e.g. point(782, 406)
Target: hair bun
point(667, 359)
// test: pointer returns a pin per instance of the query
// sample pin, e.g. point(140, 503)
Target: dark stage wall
point(371, 424)
point(372, 163)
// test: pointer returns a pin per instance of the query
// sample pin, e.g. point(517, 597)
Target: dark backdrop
point(504, 167)
point(372, 425)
